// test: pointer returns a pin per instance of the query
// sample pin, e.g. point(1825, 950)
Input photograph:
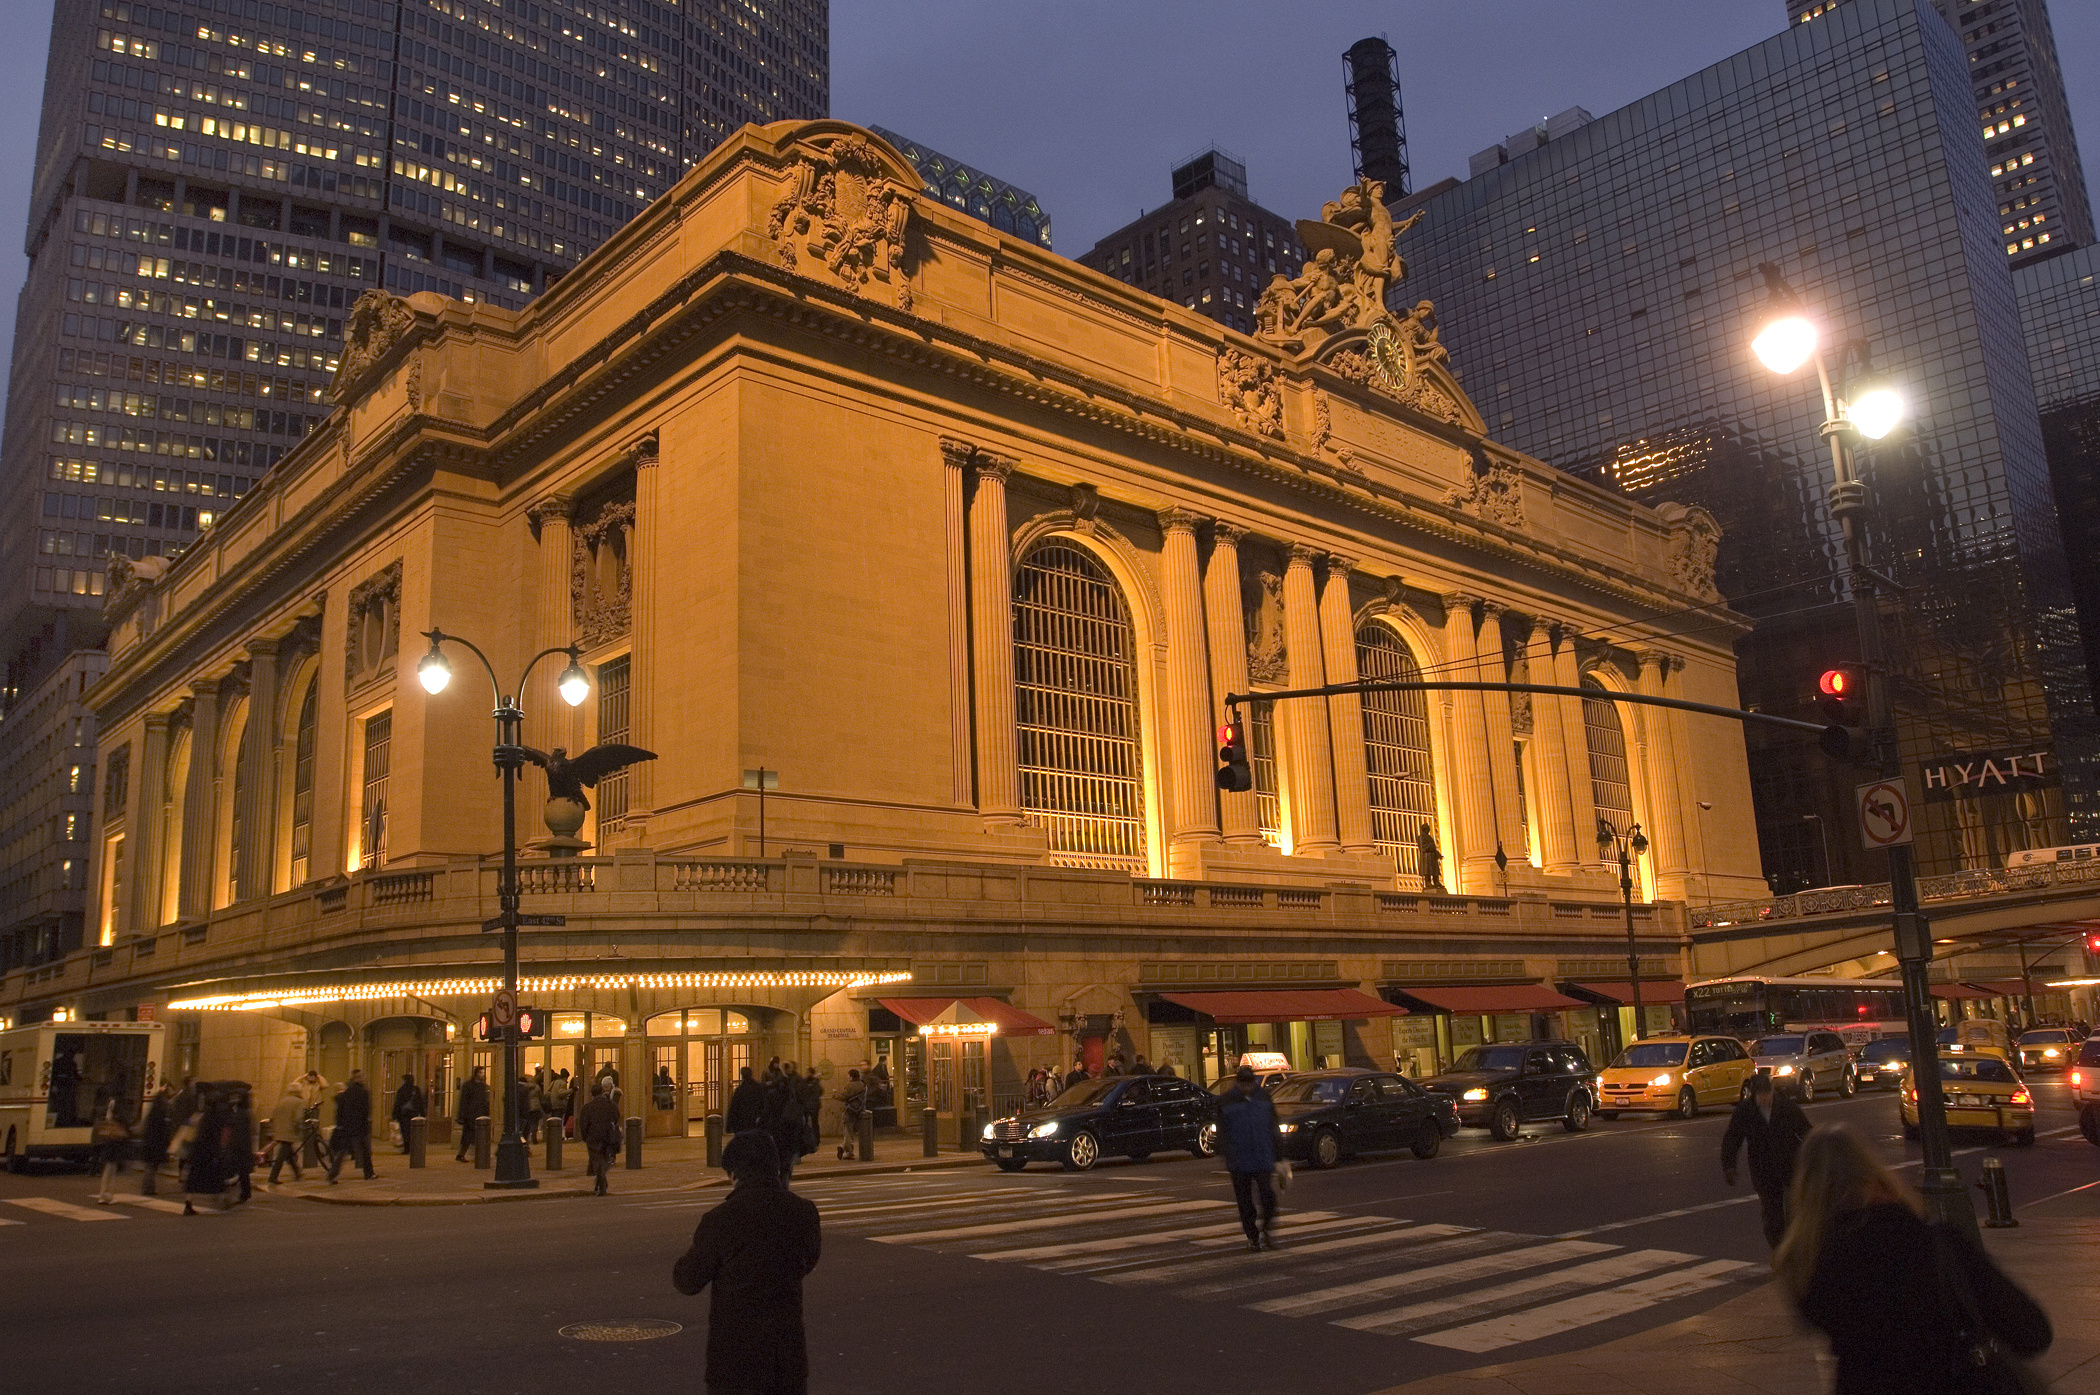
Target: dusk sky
point(1088, 105)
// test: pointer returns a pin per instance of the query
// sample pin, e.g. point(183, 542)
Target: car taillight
point(2077, 1079)
point(2022, 1097)
point(1910, 1096)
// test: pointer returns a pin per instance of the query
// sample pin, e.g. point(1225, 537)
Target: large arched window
point(1076, 715)
point(1396, 743)
point(174, 795)
point(303, 785)
point(1606, 738)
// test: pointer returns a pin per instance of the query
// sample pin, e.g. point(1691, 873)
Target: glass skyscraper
point(2060, 311)
point(1601, 292)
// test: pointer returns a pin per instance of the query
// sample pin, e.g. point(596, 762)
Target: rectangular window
point(112, 887)
point(379, 741)
point(1261, 759)
point(614, 686)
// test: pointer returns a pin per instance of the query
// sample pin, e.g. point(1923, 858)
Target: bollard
point(634, 1145)
point(982, 1117)
point(712, 1128)
point(310, 1149)
point(418, 1141)
point(930, 1131)
point(553, 1127)
point(481, 1141)
point(1997, 1194)
point(866, 1141)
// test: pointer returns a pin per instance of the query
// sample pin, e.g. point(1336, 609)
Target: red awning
point(1512, 997)
point(2012, 987)
point(1957, 990)
point(1286, 1005)
point(1012, 1021)
point(1655, 992)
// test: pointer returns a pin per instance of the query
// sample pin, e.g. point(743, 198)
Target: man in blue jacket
point(1247, 1124)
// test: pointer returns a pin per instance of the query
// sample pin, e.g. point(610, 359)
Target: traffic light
point(1234, 773)
point(1841, 693)
point(532, 1022)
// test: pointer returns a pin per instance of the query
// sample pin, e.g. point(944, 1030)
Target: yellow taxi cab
point(1675, 1075)
point(1983, 1092)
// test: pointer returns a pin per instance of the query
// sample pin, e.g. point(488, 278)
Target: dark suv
point(1133, 1116)
point(1504, 1087)
point(2084, 1076)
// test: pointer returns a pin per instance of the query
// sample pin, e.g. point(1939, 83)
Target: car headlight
point(1782, 1070)
point(991, 1130)
point(1286, 1128)
point(2051, 1052)
point(1048, 1130)
point(1660, 1081)
point(1475, 1095)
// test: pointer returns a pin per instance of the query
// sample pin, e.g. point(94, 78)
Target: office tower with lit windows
point(1603, 288)
point(969, 189)
point(216, 183)
point(1212, 248)
point(2036, 177)
point(2060, 312)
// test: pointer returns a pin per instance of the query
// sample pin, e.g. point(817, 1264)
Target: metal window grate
point(1261, 760)
point(1396, 744)
point(614, 685)
point(379, 745)
point(1607, 742)
point(303, 786)
point(1076, 711)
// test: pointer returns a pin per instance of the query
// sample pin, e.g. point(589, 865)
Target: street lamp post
point(1629, 845)
point(513, 1152)
point(1871, 407)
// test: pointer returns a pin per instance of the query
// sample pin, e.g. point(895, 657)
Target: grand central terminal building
point(923, 560)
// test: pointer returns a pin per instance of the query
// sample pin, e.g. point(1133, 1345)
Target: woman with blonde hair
point(1907, 1306)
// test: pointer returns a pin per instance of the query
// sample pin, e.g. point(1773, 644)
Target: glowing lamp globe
point(1875, 412)
point(1785, 343)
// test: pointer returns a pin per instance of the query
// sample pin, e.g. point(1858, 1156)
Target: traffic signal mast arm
point(1233, 700)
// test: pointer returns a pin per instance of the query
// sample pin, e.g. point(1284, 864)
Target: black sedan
point(1131, 1116)
point(1324, 1116)
point(1881, 1063)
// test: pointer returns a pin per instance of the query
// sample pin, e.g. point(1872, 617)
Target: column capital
point(1458, 600)
point(1657, 659)
point(993, 467)
point(159, 721)
point(643, 452)
point(206, 687)
point(1339, 566)
point(1492, 610)
point(554, 506)
point(1542, 627)
point(1302, 554)
point(1226, 534)
point(957, 453)
point(1179, 520)
point(265, 646)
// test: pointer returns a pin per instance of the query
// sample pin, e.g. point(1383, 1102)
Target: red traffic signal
point(1837, 682)
point(1234, 773)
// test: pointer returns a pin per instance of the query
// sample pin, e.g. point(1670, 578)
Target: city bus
point(1750, 1006)
point(53, 1073)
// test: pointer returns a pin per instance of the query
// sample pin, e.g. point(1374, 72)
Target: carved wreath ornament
point(1247, 385)
point(377, 322)
point(844, 211)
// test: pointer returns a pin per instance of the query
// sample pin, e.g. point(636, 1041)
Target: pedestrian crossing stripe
point(65, 1210)
point(1465, 1288)
point(152, 1203)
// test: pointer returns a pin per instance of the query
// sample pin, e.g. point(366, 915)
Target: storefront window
point(603, 1026)
point(567, 1026)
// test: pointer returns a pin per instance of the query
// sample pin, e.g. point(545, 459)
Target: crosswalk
point(51, 1208)
point(1463, 1288)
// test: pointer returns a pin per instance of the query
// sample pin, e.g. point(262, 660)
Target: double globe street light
point(1868, 406)
point(434, 671)
point(1628, 845)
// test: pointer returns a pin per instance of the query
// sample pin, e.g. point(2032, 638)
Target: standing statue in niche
point(1429, 861)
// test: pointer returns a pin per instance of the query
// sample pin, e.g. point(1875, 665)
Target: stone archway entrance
point(412, 1046)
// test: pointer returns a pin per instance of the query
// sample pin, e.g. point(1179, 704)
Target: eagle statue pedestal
point(563, 818)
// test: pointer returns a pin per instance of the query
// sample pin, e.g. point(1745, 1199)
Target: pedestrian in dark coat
point(1247, 1133)
point(157, 1135)
point(210, 1165)
point(754, 1250)
point(473, 1104)
point(1899, 1299)
point(241, 1133)
point(408, 1104)
point(352, 1138)
point(786, 1122)
point(598, 1127)
point(747, 1104)
point(1773, 1127)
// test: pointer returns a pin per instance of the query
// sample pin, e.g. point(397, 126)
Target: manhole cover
point(622, 1330)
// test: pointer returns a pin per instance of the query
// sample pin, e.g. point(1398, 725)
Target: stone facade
point(968, 543)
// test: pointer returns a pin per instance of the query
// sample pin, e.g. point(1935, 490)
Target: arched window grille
point(1396, 743)
point(303, 785)
point(1075, 703)
point(1606, 738)
point(1261, 761)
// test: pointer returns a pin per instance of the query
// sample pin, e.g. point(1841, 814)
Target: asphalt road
point(1130, 1276)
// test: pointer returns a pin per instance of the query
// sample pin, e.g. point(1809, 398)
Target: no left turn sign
point(1884, 814)
point(504, 1010)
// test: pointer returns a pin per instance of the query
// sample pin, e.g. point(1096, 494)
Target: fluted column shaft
point(1665, 808)
point(1501, 736)
point(644, 558)
point(1238, 815)
point(1345, 714)
point(1686, 785)
point(199, 828)
point(955, 465)
point(255, 805)
point(1471, 776)
point(1582, 788)
point(992, 642)
point(143, 832)
point(1554, 811)
point(551, 576)
point(1310, 771)
point(1190, 782)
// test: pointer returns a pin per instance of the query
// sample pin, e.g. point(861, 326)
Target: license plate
point(1006, 1152)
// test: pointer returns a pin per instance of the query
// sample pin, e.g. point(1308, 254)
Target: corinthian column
point(1501, 736)
point(644, 673)
point(1345, 714)
point(1575, 734)
point(1190, 781)
point(1665, 808)
point(1311, 767)
point(1471, 776)
point(955, 464)
point(1237, 813)
point(199, 828)
point(992, 642)
point(142, 861)
point(255, 809)
point(1556, 815)
point(551, 575)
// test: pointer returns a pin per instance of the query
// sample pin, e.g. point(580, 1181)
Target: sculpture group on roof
point(1354, 260)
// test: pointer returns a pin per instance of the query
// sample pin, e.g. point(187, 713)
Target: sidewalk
point(1754, 1345)
point(668, 1164)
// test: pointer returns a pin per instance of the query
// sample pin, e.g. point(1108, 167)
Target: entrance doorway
point(705, 1050)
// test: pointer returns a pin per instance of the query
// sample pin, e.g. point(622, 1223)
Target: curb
point(467, 1199)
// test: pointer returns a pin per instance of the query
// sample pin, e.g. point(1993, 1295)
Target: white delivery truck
point(52, 1074)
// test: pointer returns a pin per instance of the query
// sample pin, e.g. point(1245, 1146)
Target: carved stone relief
point(601, 574)
point(415, 384)
point(1694, 541)
point(1248, 385)
point(374, 625)
point(1261, 603)
point(116, 782)
point(845, 212)
point(1490, 489)
point(375, 325)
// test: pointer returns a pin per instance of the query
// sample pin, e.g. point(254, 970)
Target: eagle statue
point(567, 776)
